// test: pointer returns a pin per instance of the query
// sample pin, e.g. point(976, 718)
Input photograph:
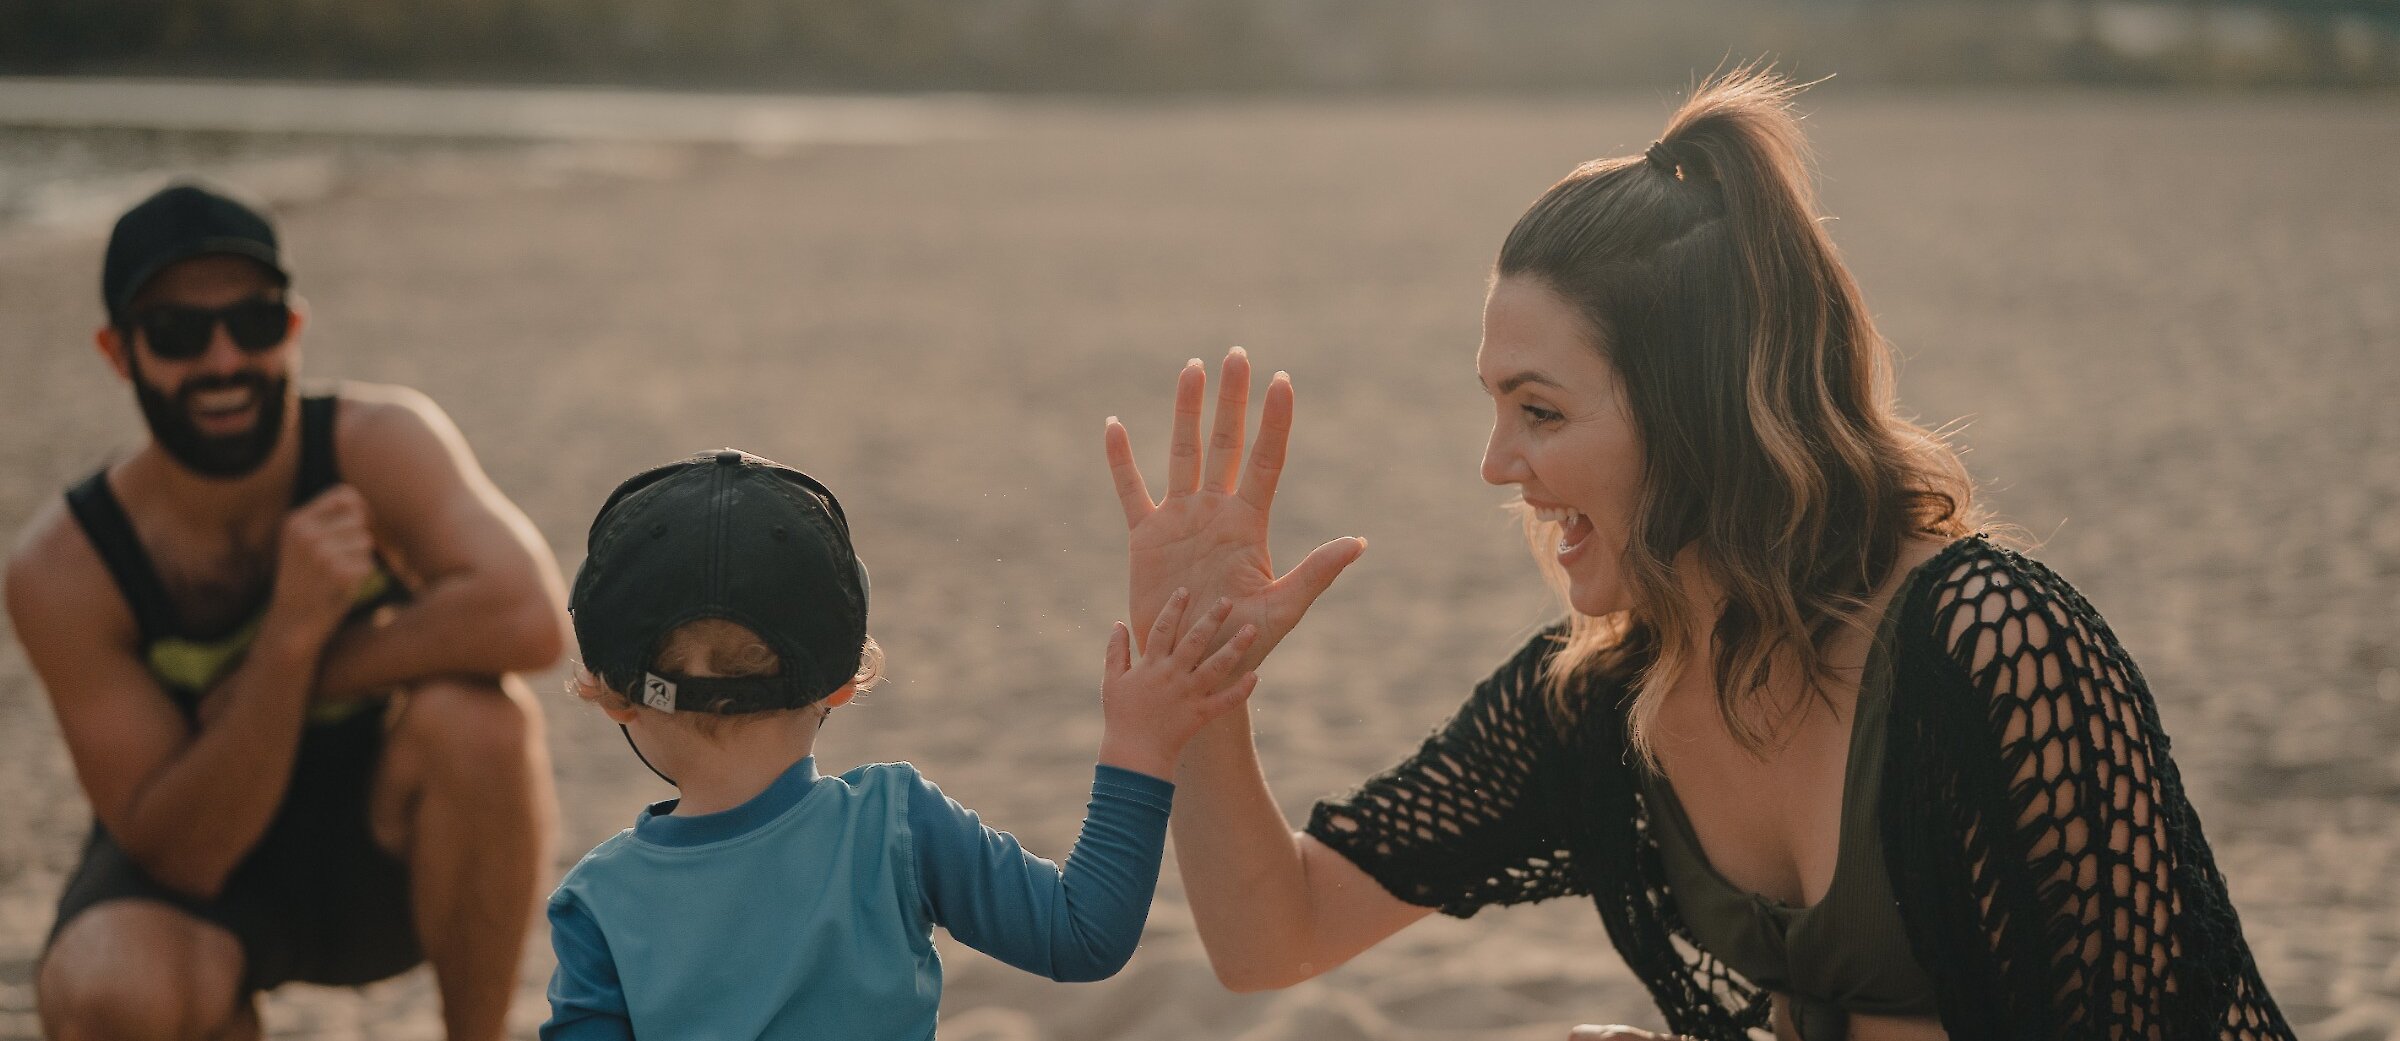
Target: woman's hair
point(1770, 441)
point(716, 647)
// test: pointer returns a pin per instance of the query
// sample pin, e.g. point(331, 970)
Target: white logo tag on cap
point(658, 693)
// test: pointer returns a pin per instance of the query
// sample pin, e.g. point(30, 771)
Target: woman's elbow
point(1250, 976)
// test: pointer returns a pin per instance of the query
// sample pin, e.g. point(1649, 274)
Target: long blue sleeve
point(586, 1001)
point(1075, 925)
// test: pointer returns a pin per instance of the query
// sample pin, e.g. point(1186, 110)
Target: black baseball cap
point(726, 535)
point(179, 223)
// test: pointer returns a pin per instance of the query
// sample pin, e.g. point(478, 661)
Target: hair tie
point(1666, 164)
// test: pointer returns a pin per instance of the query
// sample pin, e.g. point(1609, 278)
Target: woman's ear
point(622, 713)
point(841, 697)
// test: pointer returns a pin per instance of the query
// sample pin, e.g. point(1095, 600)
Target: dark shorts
point(317, 901)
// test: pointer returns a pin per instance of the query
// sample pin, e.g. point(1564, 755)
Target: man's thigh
point(135, 967)
point(484, 731)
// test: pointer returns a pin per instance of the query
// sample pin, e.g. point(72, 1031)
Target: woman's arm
point(1458, 826)
point(1274, 907)
point(1476, 817)
point(2087, 903)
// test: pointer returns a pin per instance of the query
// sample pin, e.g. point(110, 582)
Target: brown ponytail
point(1762, 393)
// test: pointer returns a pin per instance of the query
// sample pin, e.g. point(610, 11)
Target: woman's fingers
point(1162, 631)
point(1274, 435)
point(1132, 493)
point(1302, 585)
point(1224, 463)
point(1183, 454)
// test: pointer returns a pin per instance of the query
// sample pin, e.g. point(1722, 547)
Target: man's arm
point(489, 600)
point(185, 804)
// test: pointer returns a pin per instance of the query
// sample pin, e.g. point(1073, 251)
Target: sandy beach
point(2169, 326)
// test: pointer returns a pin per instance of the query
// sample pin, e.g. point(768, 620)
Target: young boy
point(722, 615)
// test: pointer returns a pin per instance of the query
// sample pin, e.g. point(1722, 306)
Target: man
point(280, 640)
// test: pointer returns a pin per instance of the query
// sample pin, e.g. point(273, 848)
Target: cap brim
point(246, 248)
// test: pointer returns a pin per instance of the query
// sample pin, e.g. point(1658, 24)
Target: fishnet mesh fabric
point(2095, 901)
point(2053, 878)
point(1500, 807)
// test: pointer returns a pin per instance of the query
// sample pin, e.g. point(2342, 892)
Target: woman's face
point(1562, 434)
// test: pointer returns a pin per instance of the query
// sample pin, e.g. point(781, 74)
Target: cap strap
point(728, 695)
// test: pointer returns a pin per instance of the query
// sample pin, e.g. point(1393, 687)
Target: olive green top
point(1846, 953)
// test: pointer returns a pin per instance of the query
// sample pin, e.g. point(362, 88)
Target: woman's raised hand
point(1209, 532)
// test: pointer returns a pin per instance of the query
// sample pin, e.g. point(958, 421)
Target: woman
point(1830, 762)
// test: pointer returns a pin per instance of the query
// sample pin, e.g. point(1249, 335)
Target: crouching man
point(279, 639)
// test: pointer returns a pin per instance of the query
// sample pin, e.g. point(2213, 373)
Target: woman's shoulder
point(2010, 627)
point(1515, 685)
point(1976, 587)
point(1536, 653)
point(1534, 661)
point(1529, 686)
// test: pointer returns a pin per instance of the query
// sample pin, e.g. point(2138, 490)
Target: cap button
point(729, 457)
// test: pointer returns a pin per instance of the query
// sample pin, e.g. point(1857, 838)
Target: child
point(722, 616)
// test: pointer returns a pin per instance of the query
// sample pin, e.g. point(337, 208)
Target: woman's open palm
point(1209, 532)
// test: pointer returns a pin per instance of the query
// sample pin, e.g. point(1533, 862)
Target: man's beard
point(230, 456)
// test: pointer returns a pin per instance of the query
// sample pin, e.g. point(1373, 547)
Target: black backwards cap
point(177, 224)
point(722, 535)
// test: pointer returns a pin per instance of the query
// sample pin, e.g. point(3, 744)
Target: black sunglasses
point(182, 333)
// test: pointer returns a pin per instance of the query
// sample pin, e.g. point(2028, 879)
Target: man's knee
point(473, 724)
point(137, 970)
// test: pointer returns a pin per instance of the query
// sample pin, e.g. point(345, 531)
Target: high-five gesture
point(1153, 706)
point(1209, 532)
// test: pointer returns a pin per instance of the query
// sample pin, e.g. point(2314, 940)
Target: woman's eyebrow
point(1523, 378)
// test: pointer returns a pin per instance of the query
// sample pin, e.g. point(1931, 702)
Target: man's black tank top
point(188, 663)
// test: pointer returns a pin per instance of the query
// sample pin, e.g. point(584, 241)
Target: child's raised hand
point(1151, 708)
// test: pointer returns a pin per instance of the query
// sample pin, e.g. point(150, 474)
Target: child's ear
point(621, 713)
point(841, 697)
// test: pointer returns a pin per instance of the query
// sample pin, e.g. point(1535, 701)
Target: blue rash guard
point(808, 912)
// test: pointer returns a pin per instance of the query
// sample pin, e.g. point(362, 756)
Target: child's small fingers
point(1120, 651)
point(1219, 666)
point(1170, 619)
point(1230, 697)
point(1195, 642)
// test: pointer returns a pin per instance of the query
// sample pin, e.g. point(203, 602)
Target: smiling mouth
point(1574, 529)
point(223, 402)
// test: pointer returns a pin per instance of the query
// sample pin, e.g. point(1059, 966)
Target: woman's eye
point(1540, 415)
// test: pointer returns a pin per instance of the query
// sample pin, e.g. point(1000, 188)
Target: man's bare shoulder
point(53, 570)
point(40, 542)
point(381, 411)
point(395, 438)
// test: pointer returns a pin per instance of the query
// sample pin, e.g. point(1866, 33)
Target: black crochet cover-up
point(2052, 876)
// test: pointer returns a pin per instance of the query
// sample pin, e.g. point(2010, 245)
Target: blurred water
point(74, 152)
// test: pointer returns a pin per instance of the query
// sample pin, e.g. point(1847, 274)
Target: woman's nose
point(1500, 462)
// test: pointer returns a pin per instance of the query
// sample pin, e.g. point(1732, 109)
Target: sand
point(2172, 325)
